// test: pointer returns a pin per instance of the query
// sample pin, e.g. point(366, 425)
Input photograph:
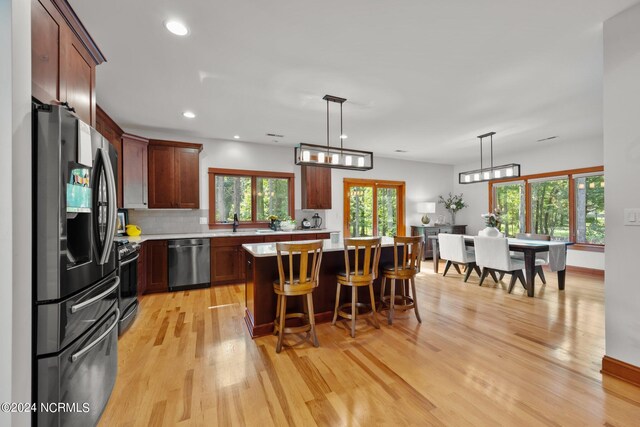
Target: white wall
point(545, 157)
point(6, 274)
point(621, 161)
point(15, 186)
point(424, 181)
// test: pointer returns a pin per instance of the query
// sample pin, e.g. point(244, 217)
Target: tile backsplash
point(161, 221)
point(171, 221)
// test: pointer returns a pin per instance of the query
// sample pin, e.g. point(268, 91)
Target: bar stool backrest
point(307, 272)
point(412, 247)
point(362, 270)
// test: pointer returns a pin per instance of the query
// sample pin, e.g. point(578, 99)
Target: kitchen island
point(261, 270)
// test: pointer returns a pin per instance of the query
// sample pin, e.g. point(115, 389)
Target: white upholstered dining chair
point(453, 250)
point(492, 254)
point(542, 258)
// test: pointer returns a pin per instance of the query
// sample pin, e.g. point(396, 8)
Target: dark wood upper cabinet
point(113, 133)
point(135, 171)
point(45, 52)
point(187, 182)
point(80, 77)
point(316, 187)
point(63, 58)
point(161, 177)
point(174, 174)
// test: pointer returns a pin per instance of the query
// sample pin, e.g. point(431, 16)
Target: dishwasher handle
point(201, 245)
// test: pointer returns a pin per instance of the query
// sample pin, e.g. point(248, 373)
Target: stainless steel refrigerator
point(75, 287)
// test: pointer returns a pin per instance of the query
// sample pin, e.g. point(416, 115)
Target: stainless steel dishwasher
point(189, 264)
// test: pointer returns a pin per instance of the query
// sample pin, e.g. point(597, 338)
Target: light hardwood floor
point(480, 357)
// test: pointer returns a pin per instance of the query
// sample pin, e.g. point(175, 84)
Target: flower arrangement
point(492, 219)
point(453, 204)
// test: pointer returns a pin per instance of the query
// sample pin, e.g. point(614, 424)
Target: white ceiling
point(425, 76)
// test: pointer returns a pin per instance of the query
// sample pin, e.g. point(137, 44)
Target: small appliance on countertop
point(316, 220)
point(306, 224)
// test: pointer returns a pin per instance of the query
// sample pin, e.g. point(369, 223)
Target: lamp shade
point(427, 207)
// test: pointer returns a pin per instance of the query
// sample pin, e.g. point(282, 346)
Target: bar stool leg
point(335, 310)
point(383, 286)
point(312, 320)
point(374, 313)
point(277, 321)
point(392, 302)
point(283, 310)
point(415, 300)
point(354, 309)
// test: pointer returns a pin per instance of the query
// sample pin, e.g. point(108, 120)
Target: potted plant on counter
point(453, 204)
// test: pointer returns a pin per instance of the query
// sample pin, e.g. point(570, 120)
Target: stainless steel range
point(127, 270)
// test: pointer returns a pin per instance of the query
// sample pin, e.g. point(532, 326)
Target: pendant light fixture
point(511, 170)
point(330, 156)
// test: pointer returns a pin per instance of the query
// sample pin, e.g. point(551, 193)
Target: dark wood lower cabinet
point(228, 259)
point(157, 266)
point(142, 269)
point(227, 263)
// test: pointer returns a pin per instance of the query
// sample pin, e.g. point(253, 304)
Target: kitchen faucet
point(236, 223)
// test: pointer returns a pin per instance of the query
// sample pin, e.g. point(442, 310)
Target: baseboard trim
point(621, 370)
point(584, 270)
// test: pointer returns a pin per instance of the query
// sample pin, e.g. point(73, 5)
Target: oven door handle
point(129, 261)
point(82, 352)
point(85, 304)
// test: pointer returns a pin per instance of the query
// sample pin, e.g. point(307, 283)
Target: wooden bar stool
point(293, 282)
point(361, 273)
point(404, 269)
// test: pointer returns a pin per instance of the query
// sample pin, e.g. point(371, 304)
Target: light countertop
point(269, 249)
point(220, 233)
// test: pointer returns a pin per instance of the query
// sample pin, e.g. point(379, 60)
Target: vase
point(453, 217)
point(490, 232)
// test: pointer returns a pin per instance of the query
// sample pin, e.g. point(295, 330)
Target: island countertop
point(269, 249)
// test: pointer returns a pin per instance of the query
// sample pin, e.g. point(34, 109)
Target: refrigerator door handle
point(105, 334)
point(78, 307)
point(113, 206)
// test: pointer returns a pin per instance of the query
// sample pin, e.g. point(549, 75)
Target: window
point(272, 197)
point(567, 205)
point(550, 208)
point(509, 199)
point(589, 191)
point(253, 195)
point(373, 208)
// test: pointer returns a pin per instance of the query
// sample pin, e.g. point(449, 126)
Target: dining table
point(529, 249)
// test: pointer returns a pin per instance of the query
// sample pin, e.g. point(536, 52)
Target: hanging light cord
point(492, 152)
point(341, 133)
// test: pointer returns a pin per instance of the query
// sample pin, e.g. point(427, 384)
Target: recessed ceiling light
point(189, 114)
point(236, 136)
point(176, 27)
point(401, 151)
